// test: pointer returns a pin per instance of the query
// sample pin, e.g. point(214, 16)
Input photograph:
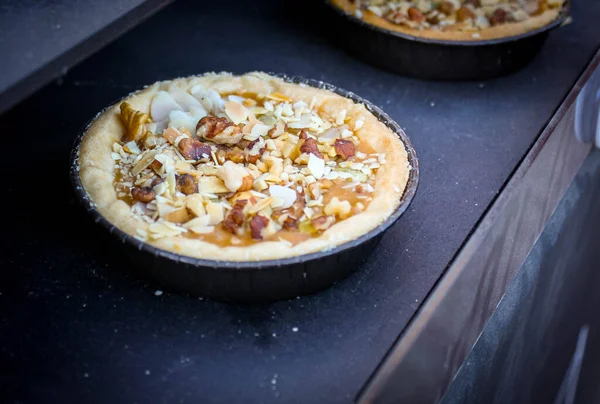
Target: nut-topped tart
point(461, 20)
point(242, 168)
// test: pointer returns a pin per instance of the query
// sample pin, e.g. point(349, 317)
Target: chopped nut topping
point(219, 130)
point(344, 148)
point(277, 130)
point(155, 165)
point(446, 7)
point(464, 13)
point(195, 204)
point(193, 149)
point(310, 147)
point(235, 154)
point(415, 15)
point(254, 167)
point(254, 150)
point(338, 208)
point(290, 223)
point(235, 177)
point(187, 184)
point(235, 219)
point(499, 16)
point(145, 194)
point(257, 224)
point(455, 15)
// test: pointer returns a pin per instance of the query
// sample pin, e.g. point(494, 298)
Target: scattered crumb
point(295, 329)
point(274, 335)
point(147, 372)
point(158, 293)
point(432, 104)
point(86, 375)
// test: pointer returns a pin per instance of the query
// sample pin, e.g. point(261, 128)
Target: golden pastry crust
point(493, 32)
point(97, 168)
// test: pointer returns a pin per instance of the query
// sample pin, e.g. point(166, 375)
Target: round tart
point(455, 20)
point(242, 168)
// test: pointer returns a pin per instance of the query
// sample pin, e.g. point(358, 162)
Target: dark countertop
point(76, 327)
point(42, 39)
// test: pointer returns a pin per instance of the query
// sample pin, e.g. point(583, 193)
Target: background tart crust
point(495, 32)
point(97, 168)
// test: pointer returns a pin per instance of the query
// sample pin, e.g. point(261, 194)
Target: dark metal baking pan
point(433, 59)
point(260, 280)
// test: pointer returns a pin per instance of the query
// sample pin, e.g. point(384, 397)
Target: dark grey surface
point(526, 348)
point(423, 363)
point(42, 39)
point(76, 327)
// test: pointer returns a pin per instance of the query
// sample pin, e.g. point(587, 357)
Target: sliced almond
point(316, 166)
point(178, 216)
point(216, 213)
point(259, 130)
point(202, 229)
point(195, 204)
point(162, 229)
point(279, 97)
point(260, 205)
point(286, 194)
point(236, 112)
point(144, 162)
point(211, 185)
point(201, 221)
point(162, 105)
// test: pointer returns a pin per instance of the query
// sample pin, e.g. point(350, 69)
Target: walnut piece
point(235, 219)
point(415, 15)
point(144, 194)
point(254, 150)
point(499, 16)
point(155, 165)
point(134, 122)
point(446, 7)
point(257, 224)
point(193, 149)
point(290, 223)
point(310, 147)
point(344, 148)
point(463, 14)
point(219, 130)
point(195, 204)
point(187, 184)
point(474, 3)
